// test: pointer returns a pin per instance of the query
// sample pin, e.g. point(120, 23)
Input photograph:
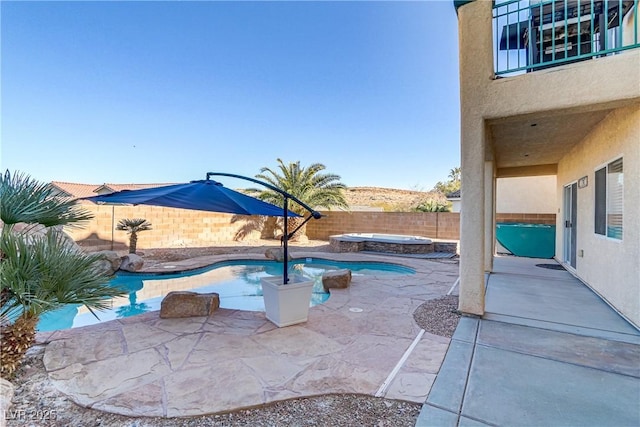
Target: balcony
point(531, 35)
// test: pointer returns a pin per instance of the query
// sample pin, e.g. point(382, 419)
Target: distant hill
point(358, 198)
point(387, 199)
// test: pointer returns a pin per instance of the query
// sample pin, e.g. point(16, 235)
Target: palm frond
point(23, 199)
point(46, 273)
point(133, 225)
point(308, 184)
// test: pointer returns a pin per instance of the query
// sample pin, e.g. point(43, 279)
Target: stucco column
point(489, 215)
point(476, 72)
point(472, 218)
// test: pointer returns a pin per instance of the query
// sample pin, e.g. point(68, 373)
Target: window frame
point(607, 194)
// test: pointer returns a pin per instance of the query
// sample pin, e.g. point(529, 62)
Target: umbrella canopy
point(203, 195)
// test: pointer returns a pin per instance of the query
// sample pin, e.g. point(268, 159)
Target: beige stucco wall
point(531, 194)
point(576, 87)
point(610, 267)
point(597, 85)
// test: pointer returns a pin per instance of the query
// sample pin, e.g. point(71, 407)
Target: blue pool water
point(237, 283)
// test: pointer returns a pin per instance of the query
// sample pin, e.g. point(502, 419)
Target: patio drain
point(551, 266)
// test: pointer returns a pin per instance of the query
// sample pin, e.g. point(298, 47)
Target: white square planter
point(288, 304)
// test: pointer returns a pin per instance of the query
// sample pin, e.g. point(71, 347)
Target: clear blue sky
point(147, 92)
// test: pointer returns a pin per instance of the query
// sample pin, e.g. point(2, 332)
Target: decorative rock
point(188, 304)
point(336, 279)
point(131, 262)
point(38, 231)
point(108, 262)
point(276, 254)
point(446, 246)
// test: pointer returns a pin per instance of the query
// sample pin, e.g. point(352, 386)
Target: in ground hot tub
point(374, 242)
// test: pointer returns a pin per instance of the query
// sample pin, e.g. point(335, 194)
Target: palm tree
point(455, 174)
point(453, 184)
point(40, 272)
point(133, 227)
point(309, 185)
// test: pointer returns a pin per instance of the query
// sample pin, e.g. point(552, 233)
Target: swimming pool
point(237, 282)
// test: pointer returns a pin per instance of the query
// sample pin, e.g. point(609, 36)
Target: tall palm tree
point(40, 272)
point(455, 174)
point(133, 227)
point(309, 185)
point(451, 185)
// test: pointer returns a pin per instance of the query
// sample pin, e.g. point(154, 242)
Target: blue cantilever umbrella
point(209, 195)
point(203, 195)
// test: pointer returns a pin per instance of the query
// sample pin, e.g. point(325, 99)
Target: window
point(609, 188)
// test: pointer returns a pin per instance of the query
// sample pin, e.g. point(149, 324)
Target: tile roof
point(119, 187)
point(75, 190)
point(78, 191)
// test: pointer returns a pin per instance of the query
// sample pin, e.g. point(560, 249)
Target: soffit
point(539, 140)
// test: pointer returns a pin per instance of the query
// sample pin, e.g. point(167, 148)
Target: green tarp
point(527, 240)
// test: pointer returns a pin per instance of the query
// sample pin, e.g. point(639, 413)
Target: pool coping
point(206, 261)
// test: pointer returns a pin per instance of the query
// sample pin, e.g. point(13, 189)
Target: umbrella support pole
point(285, 247)
point(290, 235)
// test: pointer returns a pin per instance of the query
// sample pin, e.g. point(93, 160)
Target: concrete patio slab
point(468, 422)
point(451, 381)
point(523, 291)
point(607, 355)
point(466, 330)
point(431, 416)
point(547, 352)
point(508, 388)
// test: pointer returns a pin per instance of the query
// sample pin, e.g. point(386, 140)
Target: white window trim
point(597, 168)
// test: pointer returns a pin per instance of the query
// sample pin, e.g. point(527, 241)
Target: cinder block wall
point(171, 228)
point(439, 225)
point(175, 228)
point(549, 219)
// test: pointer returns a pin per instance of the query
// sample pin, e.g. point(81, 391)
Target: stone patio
point(147, 366)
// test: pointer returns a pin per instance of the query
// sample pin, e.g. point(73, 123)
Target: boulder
point(38, 231)
point(336, 279)
point(131, 262)
point(108, 262)
point(276, 254)
point(188, 304)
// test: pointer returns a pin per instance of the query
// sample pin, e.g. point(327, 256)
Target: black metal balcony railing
point(530, 35)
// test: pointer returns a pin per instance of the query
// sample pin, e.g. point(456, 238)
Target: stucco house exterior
point(553, 88)
point(519, 195)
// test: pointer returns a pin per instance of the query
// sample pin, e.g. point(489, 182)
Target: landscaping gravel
point(438, 316)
